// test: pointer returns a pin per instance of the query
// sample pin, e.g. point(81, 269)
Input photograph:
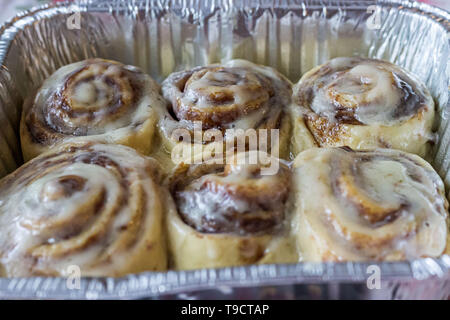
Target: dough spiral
point(237, 95)
point(98, 100)
point(362, 103)
point(95, 206)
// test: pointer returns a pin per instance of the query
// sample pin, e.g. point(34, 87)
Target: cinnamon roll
point(230, 214)
point(222, 102)
point(94, 206)
point(368, 205)
point(99, 100)
point(362, 103)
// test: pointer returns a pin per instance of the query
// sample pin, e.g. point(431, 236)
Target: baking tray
point(293, 36)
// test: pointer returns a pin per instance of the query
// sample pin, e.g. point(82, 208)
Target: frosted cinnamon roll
point(97, 207)
point(99, 100)
point(230, 214)
point(220, 100)
point(362, 103)
point(368, 205)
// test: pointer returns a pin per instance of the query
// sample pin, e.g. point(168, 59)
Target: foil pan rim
point(10, 28)
point(151, 284)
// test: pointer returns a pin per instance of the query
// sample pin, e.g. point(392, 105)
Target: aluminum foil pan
point(161, 36)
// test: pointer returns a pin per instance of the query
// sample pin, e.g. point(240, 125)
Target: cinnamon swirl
point(95, 206)
point(368, 205)
point(230, 214)
point(362, 103)
point(99, 100)
point(225, 100)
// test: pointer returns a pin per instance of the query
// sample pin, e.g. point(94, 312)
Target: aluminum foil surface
point(162, 36)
